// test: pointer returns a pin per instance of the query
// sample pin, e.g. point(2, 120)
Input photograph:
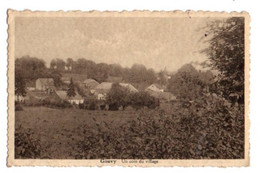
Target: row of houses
point(44, 87)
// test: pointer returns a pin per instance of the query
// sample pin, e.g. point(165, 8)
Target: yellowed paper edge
point(11, 161)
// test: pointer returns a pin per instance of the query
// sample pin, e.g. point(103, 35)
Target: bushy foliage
point(30, 67)
point(143, 99)
point(20, 88)
point(209, 128)
point(49, 103)
point(188, 83)
point(71, 90)
point(18, 106)
point(27, 146)
point(118, 96)
point(90, 104)
point(122, 97)
point(226, 53)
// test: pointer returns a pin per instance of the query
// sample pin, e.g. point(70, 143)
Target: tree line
point(225, 52)
point(32, 68)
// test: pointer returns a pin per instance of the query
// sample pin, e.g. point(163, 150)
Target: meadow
point(203, 129)
point(58, 130)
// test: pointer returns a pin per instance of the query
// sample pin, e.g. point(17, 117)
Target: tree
point(57, 78)
point(53, 64)
point(226, 54)
point(20, 87)
point(141, 99)
point(69, 64)
point(60, 65)
point(139, 74)
point(117, 96)
point(162, 78)
point(71, 91)
point(80, 89)
point(30, 67)
point(188, 83)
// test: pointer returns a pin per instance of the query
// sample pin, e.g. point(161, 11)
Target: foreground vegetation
point(180, 131)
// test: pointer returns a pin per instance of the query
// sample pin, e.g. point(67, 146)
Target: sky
point(157, 43)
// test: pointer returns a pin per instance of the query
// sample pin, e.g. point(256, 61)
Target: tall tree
point(226, 54)
point(20, 86)
point(30, 67)
point(69, 64)
point(162, 79)
point(71, 91)
point(117, 96)
point(60, 65)
point(56, 77)
point(53, 64)
point(187, 83)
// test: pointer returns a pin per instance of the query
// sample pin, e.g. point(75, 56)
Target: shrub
point(18, 106)
point(50, 103)
point(207, 129)
point(90, 104)
point(27, 146)
point(143, 99)
point(117, 97)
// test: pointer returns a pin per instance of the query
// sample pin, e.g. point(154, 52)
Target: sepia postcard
point(140, 88)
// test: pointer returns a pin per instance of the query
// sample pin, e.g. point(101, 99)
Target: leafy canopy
point(226, 54)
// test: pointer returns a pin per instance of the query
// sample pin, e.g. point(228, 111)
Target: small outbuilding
point(77, 99)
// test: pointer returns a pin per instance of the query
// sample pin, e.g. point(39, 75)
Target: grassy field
point(172, 131)
point(58, 130)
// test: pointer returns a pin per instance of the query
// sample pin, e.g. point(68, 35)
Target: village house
point(90, 84)
point(45, 84)
point(155, 88)
point(102, 89)
point(62, 95)
point(130, 87)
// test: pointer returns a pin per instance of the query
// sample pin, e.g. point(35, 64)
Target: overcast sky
point(155, 42)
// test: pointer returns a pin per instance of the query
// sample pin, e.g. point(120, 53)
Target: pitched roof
point(90, 83)
point(158, 86)
point(37, 94)
point(106, 86)
point(63, 95)
point(129, 87)
point(154, 87)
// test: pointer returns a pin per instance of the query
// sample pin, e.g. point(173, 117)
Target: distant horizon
point(195, 64)
point(157, 43)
